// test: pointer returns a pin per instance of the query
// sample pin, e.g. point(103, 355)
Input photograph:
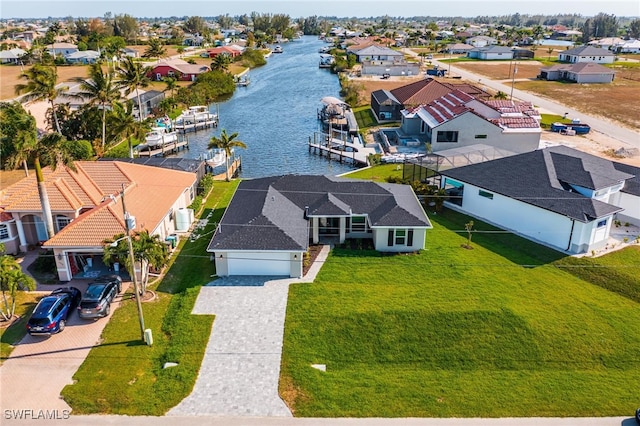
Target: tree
point(41, 86)
point(52, 150)
point(171, 83)
point(155, 49)
point(100, 88)
point(195, 25)
point(549, 51)
point(125, 26)
point(148, 251)
point(226, 142)
point(221, 62)
point(500, 95)
point(126, 126)
point(131, 76)
point(634, 29)
point(469, 228)
point(18, 133)
point(12, 279)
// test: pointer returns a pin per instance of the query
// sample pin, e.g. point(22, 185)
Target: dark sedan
point(52, 312)
point(96, 301)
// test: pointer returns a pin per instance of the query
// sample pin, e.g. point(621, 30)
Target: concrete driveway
point(40, 366)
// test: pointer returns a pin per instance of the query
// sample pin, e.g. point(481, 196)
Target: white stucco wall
point(594, 59)
point(469, 125)
point(380, 241)
point(541, 225)
point(631, 206)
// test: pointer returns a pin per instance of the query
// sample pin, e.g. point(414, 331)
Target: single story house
point(581, 72)
point(375, 53)
point(132, 53)
point(83, 57)
point(458, 48)
point(270, 222)
point(587, 54)
point(458, 120)
point(629, 46)
point(387, 105)
point(491, 53)
point(608, 43)
point(63, 49)
point(149, 100)
point(87, 208)
point(558, 196)
point(11, 56)
point(224, 50)
point(176, 68)
point(481, 41)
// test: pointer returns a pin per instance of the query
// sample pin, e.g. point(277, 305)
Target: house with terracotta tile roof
point(458, 119)
point(387, 105)
point(86, 206)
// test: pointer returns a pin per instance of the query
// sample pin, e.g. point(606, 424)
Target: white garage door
point(259, 264)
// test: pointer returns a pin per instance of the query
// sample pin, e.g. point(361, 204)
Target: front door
point(329, 226)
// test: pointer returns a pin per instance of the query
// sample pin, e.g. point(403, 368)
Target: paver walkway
point(241, 366)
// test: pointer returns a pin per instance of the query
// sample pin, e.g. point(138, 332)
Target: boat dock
point(165, 149)
point(234, 168)
point(340, 150)
point(192, 127)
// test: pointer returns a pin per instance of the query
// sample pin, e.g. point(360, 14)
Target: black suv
point(96, 301)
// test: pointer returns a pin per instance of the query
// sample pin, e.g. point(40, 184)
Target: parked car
point(52, 312)
point(96, 301)
point(638, 416)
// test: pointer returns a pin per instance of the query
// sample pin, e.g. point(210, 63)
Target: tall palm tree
point(41, 86)
point(126, 125)
point(221, 62)
point(131, 76)
point(52, 150)
point(100, 88)
point(171, 83)
point(18, 133)
point(226, 142)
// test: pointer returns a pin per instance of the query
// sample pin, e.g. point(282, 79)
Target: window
point(423, 127)
point(358, 224)
point(62, 221)
point(485, 194)
point(447, 136)
point(602, 223)
point(4, 232)
point(481, 136)
point(401, 235)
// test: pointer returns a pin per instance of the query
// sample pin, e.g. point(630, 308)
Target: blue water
point(277, 113)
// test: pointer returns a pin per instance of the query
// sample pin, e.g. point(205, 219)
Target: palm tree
point(131, 76)
point(226, 142)
point(101, 89)
point(41, 86)
point(12, 279)
point(52, 150)
point(155, 49)
point(18, 133)
point(126, 125)
point(549, 51)
point(500, 95)
point(221, 62)
point(148, 251)
point(171, 83)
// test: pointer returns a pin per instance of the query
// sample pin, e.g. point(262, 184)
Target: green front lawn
point(122, 375)
point(11, 334)
point(505, 329)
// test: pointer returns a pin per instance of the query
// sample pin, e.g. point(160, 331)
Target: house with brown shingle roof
point(86, 206)
point(388, 104)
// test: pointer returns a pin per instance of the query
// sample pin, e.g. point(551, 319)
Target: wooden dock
point(340, 150)
point(166, 149)
point(234, 168)
point(192, 127)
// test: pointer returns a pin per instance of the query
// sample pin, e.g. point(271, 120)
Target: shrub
point(196, 204)
point(45, 263)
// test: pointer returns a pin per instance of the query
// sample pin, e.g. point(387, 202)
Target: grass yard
point(124, 376)
point(506, 329)
point(14, 332)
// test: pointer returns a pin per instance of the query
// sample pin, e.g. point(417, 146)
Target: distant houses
point(491, 53)
point(176, 68)
point(583, 72)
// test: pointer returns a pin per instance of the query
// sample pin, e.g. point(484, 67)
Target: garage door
point(259, 264)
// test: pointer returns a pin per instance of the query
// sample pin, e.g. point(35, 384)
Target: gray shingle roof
point(588, 51)
point(269, 213)
point(542, 178)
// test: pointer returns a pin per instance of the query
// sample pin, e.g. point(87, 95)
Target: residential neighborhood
point(426, 216)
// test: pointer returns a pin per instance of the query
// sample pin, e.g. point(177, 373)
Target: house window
point(358, 224)
point(62, 221)
point(602, 223)
point(481, 136)
point(423, 127)
point(485, 194)
point(4, 232)
point(447, 136)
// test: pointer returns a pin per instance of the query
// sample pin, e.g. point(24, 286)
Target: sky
point(304, 8)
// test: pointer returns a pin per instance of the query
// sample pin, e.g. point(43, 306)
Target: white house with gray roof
point(270, 222)
point(587, 53)
point(558, 196)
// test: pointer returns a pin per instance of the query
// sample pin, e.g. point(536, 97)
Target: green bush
point(45, 263)
point(196, 204)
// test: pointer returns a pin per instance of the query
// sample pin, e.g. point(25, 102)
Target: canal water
point(277, 113)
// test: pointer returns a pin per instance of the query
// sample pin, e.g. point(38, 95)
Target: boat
point(215, 157)
point(158, 137)
point(195, 117)
point(243, 81)
point(574, 128)
point(277, 49)
point(326, 60)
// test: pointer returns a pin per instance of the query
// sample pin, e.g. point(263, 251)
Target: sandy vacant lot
point(10, 76)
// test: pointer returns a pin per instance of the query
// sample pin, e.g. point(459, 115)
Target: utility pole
point(513, 79)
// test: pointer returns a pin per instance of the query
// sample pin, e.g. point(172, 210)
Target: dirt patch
point(502, 70)
point(366, 85)
point(595, 143)
point(314, 251)
point(10, 76)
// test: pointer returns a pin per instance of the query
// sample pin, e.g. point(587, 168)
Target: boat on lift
point(158, 137)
